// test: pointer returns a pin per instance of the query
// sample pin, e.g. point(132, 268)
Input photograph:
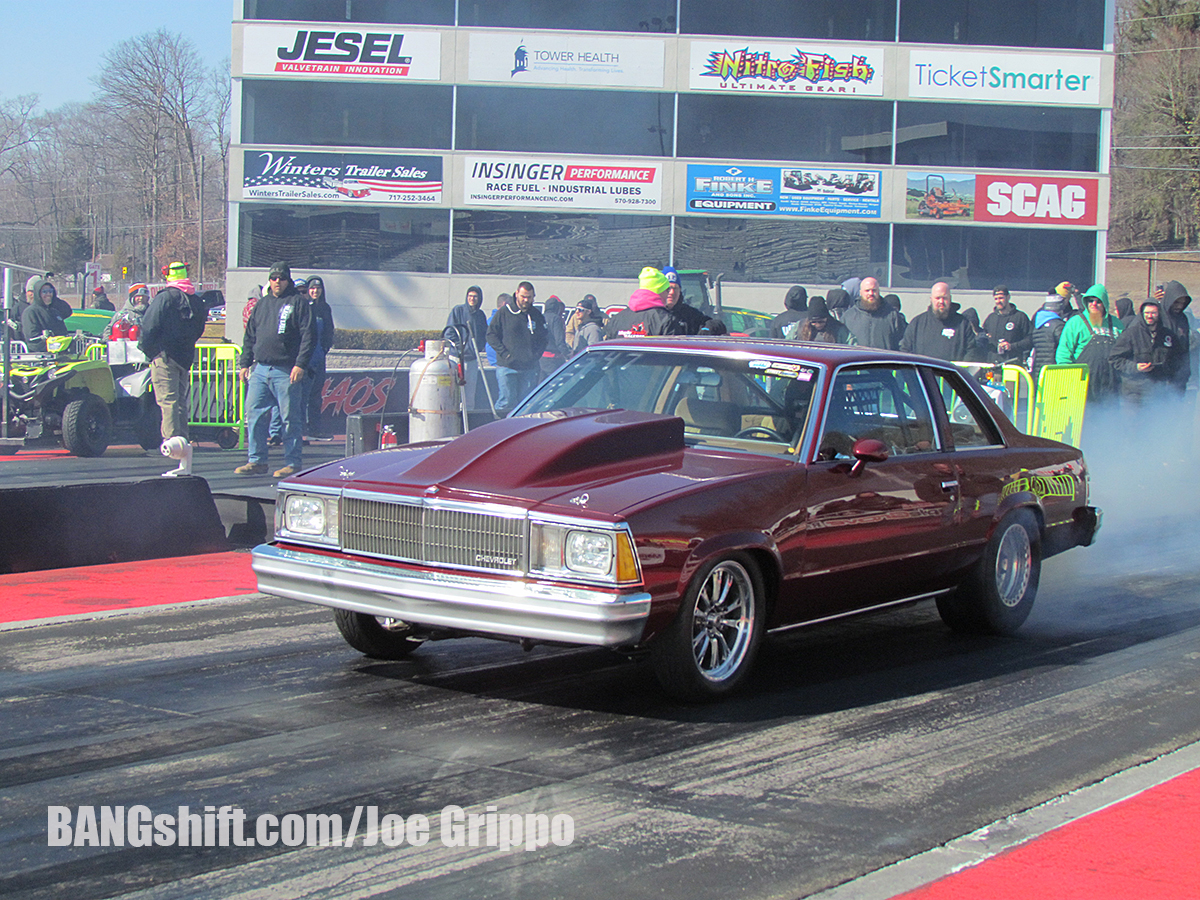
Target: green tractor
point(70, 392)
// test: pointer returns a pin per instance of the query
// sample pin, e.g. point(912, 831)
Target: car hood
point(605, 462)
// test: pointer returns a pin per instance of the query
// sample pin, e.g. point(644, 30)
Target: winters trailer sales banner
point(553, 184)
point(345, 177)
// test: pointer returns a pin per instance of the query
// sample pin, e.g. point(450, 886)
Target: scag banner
point(770, 190)
point(1036, 201)
point(791, 69)
point(552, 184)
point(345, 50)
point(355, 177)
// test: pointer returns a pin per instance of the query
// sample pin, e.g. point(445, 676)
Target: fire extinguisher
point(387, 437)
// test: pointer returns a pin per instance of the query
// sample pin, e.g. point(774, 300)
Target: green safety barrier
point(217, 397)
point(1061, 401)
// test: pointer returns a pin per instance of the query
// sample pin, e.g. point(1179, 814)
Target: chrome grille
point(433, 535)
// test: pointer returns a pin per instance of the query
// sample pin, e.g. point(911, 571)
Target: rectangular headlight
point(562, 550)
point(309, 517)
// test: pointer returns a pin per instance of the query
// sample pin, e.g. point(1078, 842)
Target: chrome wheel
point(723, 621)
point(1014, 563)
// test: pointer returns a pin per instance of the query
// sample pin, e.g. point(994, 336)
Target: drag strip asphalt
point(856, 746)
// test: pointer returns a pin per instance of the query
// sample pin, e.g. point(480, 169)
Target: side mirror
point(867, 450)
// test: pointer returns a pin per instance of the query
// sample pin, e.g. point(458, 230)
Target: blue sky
point(53, 48)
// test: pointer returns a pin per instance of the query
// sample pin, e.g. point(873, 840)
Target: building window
point(622, 123)
point(785, 128)
point(836, 20)
point(1073, 24)
point(1025, 259)
point(579, 245)
point(360, 114)
point(997, 137)
point(778, 251)
point(334, 237)
point(572, 15)
point(380, 12)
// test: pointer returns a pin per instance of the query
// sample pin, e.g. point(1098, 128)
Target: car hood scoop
point(550, 449)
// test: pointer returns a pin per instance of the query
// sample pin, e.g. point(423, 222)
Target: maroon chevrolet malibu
point(684, 498)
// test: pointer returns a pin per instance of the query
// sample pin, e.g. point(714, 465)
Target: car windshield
point(741, 402)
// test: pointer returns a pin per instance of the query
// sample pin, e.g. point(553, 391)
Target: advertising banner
point(345, 50)
point(557, 184)
point(1008, 77)
point(841, 70)
point(1032, 200)
point(346, 177)
point(1016, 199)
point(789, 190)
point(565, 59)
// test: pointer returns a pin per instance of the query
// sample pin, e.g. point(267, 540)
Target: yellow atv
point(70, 390)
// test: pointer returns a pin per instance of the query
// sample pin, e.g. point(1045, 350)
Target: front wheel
point(997, 596)
point(87, 426)
point(710, 646)
point(376, 636)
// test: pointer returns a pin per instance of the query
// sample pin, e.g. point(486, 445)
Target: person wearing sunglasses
point(276, 352)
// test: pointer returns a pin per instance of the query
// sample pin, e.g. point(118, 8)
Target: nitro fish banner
point(842, 70)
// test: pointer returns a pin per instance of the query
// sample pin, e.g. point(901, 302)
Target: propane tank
point(433, 404)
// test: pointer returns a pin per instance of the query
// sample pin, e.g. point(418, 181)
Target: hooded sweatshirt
point(1076, 334)
point(518, 336)
point(1140, 343)
point(795, 309)
point(42, 319)
point(645, 316)
point(1179, 324)
point(882, 327)
point(471, 324)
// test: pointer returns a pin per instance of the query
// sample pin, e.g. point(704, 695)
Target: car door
point(884, 531)
point(982, 462)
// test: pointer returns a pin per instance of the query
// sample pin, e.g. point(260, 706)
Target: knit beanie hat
point(651, 279)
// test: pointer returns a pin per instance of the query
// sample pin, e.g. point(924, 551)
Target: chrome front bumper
point(521, 609)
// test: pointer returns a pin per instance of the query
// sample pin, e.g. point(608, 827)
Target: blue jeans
point(515, 386)
point(270, 388)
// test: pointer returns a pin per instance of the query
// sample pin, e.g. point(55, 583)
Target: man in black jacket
point(172, 324)
point(941, 331)
point(45, 316)
point(276, 352)
point(470, 322)
point(1149, 355)
point(795, 309)
point(1009, 331)
point(872, 322)
point(518, 335)
point(688, 319)
point(324, 334)
point(1174, 300)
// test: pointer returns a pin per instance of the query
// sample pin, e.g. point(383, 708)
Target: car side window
point(882, 402)
point(969, 425)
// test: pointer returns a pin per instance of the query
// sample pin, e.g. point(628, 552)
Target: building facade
point(405, 150)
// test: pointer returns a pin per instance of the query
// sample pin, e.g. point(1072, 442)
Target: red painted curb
point(127, 585)
point(1143, 848)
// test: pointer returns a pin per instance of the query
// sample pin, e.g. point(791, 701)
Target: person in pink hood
point(647, 313)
